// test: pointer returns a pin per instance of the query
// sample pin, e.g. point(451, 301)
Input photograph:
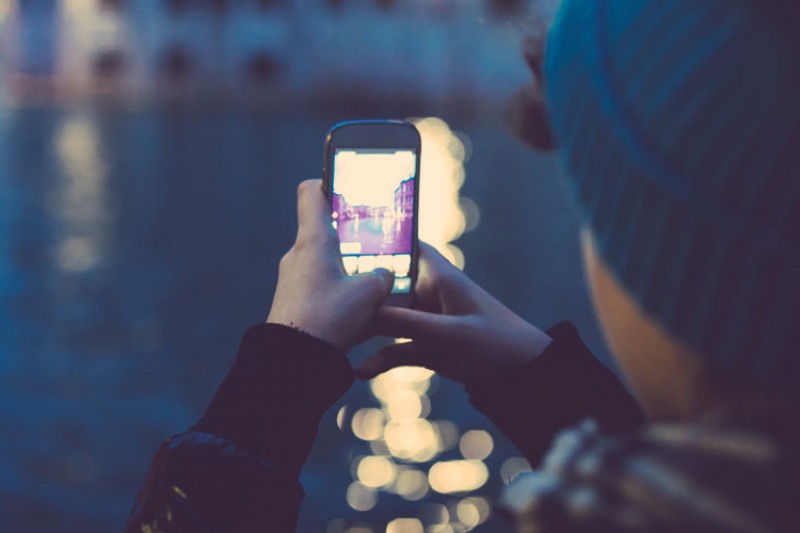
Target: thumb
point(376, 284)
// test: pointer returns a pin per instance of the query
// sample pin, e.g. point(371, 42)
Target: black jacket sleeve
point(562, 386)
point(237, 469)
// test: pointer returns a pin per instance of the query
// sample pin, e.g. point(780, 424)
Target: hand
point(314, 294)
point(458, 329)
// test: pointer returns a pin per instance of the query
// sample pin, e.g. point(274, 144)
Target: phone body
point(371, 177)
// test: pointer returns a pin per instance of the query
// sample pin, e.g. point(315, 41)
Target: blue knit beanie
point(679, 121)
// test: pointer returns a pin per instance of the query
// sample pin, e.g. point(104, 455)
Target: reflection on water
point(404, 525)
point(136, 247)
point(442, 220)
point(80, 201)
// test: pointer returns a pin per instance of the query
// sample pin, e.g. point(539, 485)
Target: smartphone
point(371, 176)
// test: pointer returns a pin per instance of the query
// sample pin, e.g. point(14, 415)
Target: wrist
point(539, 342)
point(518, 344)
point(527, 343)
point(308, 325)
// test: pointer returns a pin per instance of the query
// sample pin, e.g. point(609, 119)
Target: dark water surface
point(135, 249)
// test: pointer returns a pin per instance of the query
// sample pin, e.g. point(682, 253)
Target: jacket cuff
point(281, 383)
point(557, 389)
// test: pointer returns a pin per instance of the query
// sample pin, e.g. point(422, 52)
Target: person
point(678, 123)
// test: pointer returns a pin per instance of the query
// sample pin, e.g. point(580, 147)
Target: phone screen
point(373, 210)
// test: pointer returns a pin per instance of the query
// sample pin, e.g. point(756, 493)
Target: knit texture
point(680, 126)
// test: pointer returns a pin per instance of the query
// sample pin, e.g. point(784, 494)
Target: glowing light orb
point(81, 203)
point(476, 444)
point(473, 511)
point(404, 525)
point(448, 434)
point(403, 405)
point(441, 217)
point(390, 382)
point(361, 497)
point(368, 423)
point(375, 471)
point(448, 477)
point(413, 440)
point(411, 484)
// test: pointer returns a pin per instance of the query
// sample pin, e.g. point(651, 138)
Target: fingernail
point(387, 275)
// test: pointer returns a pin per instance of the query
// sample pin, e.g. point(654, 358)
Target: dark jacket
point(237, 469)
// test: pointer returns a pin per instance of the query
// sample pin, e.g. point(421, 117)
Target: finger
point(433, 262)
point(376, 284)
point(440, 283)
point(313, 212)
point(392, 356)
point(411, 324)
point(431, 255)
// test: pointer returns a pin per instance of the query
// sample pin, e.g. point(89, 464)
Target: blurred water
point(137, 245)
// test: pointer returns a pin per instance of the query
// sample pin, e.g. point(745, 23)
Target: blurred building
point(430, 49)
point(404, 199)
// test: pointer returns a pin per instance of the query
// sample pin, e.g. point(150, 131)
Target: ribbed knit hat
point(679, 121)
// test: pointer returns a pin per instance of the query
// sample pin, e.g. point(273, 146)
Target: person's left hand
point(314, 294)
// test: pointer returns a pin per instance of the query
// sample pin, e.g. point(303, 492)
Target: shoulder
point(688, 477)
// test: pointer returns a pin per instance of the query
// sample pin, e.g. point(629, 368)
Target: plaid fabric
point(702, 477)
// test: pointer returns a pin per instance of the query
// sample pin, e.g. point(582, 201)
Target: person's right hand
point(457, 329)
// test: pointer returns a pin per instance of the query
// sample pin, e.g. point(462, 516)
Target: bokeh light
point(512, 467)
point(360, 497)
point(375, 471)
point(472, 213)
point(368, 423)
point(404, 405)
point(378, 447)
point(442, 218)
point(397, 380)
point(448, 434)
point(411, 484)
point(412, 440)
point(472, 511)
point(404, 525)
point(476, 444)
point(449, 477)
point(81, 202)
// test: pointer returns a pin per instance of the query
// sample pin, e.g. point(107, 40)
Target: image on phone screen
point(373, 210)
